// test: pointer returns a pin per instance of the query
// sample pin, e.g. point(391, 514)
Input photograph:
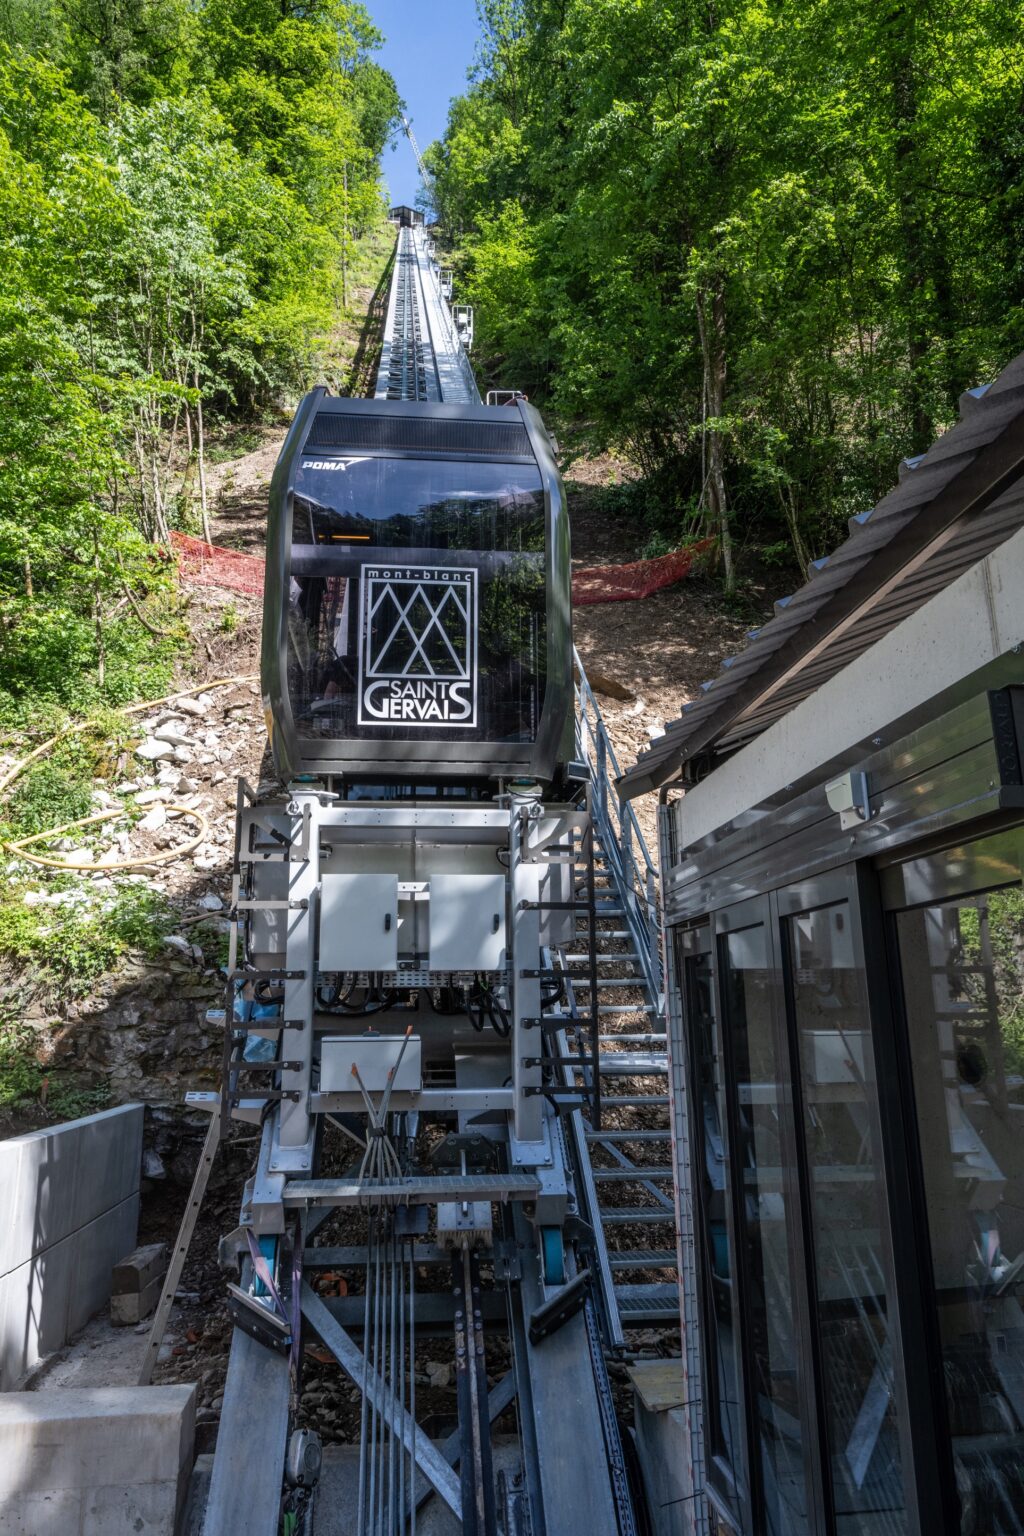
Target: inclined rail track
point(608, 1073)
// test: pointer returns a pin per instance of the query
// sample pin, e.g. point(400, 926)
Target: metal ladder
point(623, 1155)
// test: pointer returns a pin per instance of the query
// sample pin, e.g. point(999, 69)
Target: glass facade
point(417, 600)
point(762, 1100)
point(713, 1180)
point(852, 1276)
point(857, 1141)
point(962, 964)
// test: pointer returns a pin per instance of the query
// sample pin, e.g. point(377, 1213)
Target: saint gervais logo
point(417, 645)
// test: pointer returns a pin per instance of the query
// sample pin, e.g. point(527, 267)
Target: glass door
point(779, 1375)
point(724, 1411)
point(851, 1275)
point(961, 957)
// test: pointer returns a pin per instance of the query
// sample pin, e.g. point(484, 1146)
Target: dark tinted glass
point(847, 1191)
point(763, 1106)
point(417, 600)
point(963, 984)
point(723, 1415)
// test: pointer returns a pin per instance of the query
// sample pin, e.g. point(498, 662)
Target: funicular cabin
point(845, 925)
point(404, 216)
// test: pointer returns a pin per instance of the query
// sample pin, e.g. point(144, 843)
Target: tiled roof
point(950, 508)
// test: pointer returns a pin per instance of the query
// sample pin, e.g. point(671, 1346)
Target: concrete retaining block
point(58, 1180)
point(70, 1199)
point(663, 1442)
point(96, 1461)
point(138, 1269)
point(94, 1246)
point(108, 1151)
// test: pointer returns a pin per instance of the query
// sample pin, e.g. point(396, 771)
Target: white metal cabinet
point(359, 922)
point(467, 922)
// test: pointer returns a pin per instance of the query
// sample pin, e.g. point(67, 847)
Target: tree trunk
point(711, 323)
point(912, 217)
point(202, 466)
point(97, 613)
point(796, 537)
point(344, 242)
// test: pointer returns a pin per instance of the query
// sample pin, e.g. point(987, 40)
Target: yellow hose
point(18, 847)
point(132, 709)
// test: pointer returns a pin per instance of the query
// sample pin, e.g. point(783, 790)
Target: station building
point(842, 837)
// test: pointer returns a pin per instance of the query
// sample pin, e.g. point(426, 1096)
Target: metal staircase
point(622, 1153)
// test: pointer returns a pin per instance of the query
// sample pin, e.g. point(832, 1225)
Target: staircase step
point(642, 1258)
point(606, 933)
point(633, 1064)
point(628, 1135)
point(656, 1042)
point(648, 1303)
point(601, 959)
point(603, 1009)
point(630, 1175)
point(633, 1101)
point(647, 1215)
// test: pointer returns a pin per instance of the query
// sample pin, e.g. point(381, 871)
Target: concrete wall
point(69, 1209)
point(96, 1461)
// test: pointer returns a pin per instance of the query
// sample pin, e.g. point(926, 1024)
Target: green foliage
point(760, 249)
point(999, 947)
point(180, 187)
point(67, 947)
point(58, 788)
point(51, 796)
point(21, 1076)
point(230, 618)
point(24, 1081)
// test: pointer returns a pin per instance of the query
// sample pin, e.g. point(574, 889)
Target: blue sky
point(428, 47)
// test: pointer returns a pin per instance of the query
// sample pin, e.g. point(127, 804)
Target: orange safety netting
point(628, 583)
point(213, 566)
point(210, 565)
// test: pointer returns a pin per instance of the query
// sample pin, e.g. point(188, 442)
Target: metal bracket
point(850, 795)
point(559, 1308)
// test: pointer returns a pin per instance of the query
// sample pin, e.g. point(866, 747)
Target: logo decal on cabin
point(417, 645)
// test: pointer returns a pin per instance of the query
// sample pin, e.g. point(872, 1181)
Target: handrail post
point(654, 928)
point(602, 774)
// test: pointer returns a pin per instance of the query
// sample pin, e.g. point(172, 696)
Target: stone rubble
point(152, 750)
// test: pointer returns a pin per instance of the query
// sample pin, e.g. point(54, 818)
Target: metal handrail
point(622, 839)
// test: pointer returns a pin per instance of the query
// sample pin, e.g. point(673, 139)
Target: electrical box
point(359, 922)
point(467, 922)
point(373, 1056)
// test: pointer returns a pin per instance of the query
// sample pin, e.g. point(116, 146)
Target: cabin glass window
point(962, 965)
point(417, 600)
point(724, 1415)
point(763, 1113)
point(852, 1271)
